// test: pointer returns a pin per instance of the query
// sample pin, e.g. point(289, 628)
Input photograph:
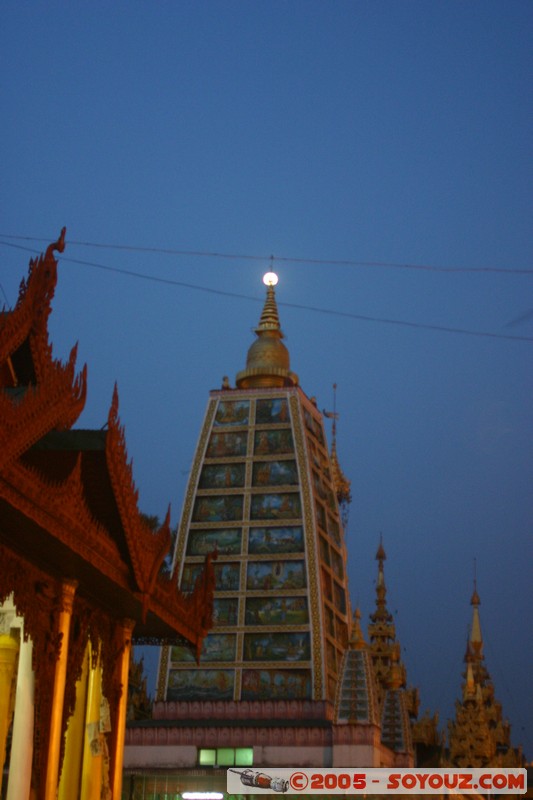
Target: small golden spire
point(396, 678)
point(357, 639)
point(476, 638)
point(267, 362)
point(469, 689)
point(341, 483)
point(381, 556)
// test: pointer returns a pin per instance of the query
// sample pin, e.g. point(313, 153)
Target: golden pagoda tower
point(284, 677)
point(479, 736)
point(263, 493)
point(382, 634)
point(398, 704)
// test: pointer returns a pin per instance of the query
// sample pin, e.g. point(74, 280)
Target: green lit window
point(207, 758)
point(226, 757)
point(244, 756)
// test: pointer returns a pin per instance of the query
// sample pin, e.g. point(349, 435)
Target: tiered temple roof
point(69, 519)
point(479, 735)
point(398, 704)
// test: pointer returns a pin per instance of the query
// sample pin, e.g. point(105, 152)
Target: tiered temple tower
point(398, 704)
point(479, 736)
point(262, 494)
point(279, 680)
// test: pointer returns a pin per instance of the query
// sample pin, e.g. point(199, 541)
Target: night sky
point(381, 152)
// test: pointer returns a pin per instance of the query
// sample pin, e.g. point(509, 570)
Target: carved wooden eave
point(33, 307)
point(27, 415)
point(195, 610)
point(55, 514)
point(52, 396)
point(147, 550)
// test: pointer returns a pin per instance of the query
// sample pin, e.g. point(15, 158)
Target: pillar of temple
point(70, 779)
point(9, 648)
point(118, 736)
point(68, 590)
point(20, 764)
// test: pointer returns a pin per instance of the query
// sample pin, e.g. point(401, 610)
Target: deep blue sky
point(367, 131)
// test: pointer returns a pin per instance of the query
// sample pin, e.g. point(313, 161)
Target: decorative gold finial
point(357, 639)
point(340, 481)
point(476, 637)
point(381, 555)
point(270, 279)
point(267, 362)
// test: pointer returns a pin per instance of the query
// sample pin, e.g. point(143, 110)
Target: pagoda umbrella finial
point(267, 362)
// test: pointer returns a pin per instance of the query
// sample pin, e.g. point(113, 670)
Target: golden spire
point(469, 688)
point(267, 362)
point(479, 736)
point(382, 631)
point(381, 589)
point(357, 639)
point(396, 677)
point(476, 639)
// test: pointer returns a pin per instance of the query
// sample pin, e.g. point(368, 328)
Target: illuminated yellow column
point(119, 734)
point(9, 648)
point(20, 762)
point(91, 772)
point(68, 590)
point(69, 782)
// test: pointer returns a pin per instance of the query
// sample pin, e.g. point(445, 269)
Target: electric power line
point(283, 259)
point(301, 306)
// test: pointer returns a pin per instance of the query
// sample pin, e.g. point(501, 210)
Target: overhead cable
point(282, 259)
point(316, 309)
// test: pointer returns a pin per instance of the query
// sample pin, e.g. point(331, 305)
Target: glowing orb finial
point(270, 278)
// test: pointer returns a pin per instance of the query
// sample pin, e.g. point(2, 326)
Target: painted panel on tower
point(275, 473)
point(277, 647)
point(336, 564)
point(270, 541)
point(232, 412)
point(340, 597)
point(222, 476)
point(218, 647)
point(276, 442)
point(191, 573)
point(227, 541)
point(267, 575)
point(270, 684)
point(324, 550)
point(223, 445)
point(333, 530)
point(200, 684)
point(222, 508)
point(225, 611)
point(182, 653)
point(226, 576)
point(215, 647)
point(276, 506)
point(276, 611)
point(271, 411)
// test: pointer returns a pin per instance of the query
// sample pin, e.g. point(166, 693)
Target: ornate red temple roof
point(68, 503)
